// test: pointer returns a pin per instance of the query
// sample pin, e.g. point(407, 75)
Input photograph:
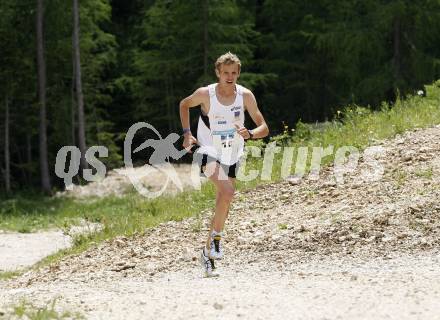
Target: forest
point(80, 73)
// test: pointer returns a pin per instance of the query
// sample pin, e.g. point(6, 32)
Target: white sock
point(215, 233)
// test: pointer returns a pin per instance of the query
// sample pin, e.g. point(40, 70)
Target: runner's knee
point(227, 192)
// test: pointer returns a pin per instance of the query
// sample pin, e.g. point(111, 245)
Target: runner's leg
point(224, 194)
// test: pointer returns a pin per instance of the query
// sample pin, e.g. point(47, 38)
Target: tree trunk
point(169, 107)
point(18, 151)
point(28, 148)
point(41, 64)
point(7, 155)
point(29, 156)
point(78, 86)
point(205, 39)
point(397, 54)
point(73, 106)
point(173, 102)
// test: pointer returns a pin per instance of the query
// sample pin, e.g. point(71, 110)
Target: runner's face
point(228, 74)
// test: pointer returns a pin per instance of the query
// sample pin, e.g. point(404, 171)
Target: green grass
point(282, 226)
point(400, 177)
point(353, 126)
point(125, 215)
point(425, 173)
point(28, 311)
point(6, 275)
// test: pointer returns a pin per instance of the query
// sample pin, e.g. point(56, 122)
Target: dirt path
point(19, 250)
point(312, 250)
point(405, 287)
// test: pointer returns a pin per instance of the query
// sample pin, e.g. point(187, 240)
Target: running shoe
point(208, 265)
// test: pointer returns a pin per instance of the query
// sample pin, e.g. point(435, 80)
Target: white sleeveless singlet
point(216, 131)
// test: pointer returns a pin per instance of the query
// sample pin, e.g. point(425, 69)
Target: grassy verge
point(28, 311)
point(119, 215)
point(5, 275)
point(353, 126)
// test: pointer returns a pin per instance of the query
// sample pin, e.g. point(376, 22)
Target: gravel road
point(401, 287)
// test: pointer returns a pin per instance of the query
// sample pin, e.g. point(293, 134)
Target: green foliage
point(284, 138)
point(18, 79)
point(6, 275)
point(98, 54)
point(110, 140)
point(27, 310)
point(170, 62)
point(303, 131)
point(346, 52)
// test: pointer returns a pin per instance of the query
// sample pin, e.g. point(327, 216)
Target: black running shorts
point(204, 159)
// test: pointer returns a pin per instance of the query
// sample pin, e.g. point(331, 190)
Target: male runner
point(220, 135)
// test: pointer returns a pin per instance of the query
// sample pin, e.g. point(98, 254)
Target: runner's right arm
point(197, 98)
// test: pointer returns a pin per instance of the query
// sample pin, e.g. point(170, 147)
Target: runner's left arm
point(262, 130)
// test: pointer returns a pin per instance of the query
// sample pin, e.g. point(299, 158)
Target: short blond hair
point(227, 58)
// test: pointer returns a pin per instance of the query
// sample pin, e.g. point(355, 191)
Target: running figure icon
point(164, 149)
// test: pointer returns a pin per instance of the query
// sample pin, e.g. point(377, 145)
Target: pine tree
point(41, 63)
point(78, 85)
point(179, 50)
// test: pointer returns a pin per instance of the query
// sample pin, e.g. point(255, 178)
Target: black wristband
point(186, 130)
